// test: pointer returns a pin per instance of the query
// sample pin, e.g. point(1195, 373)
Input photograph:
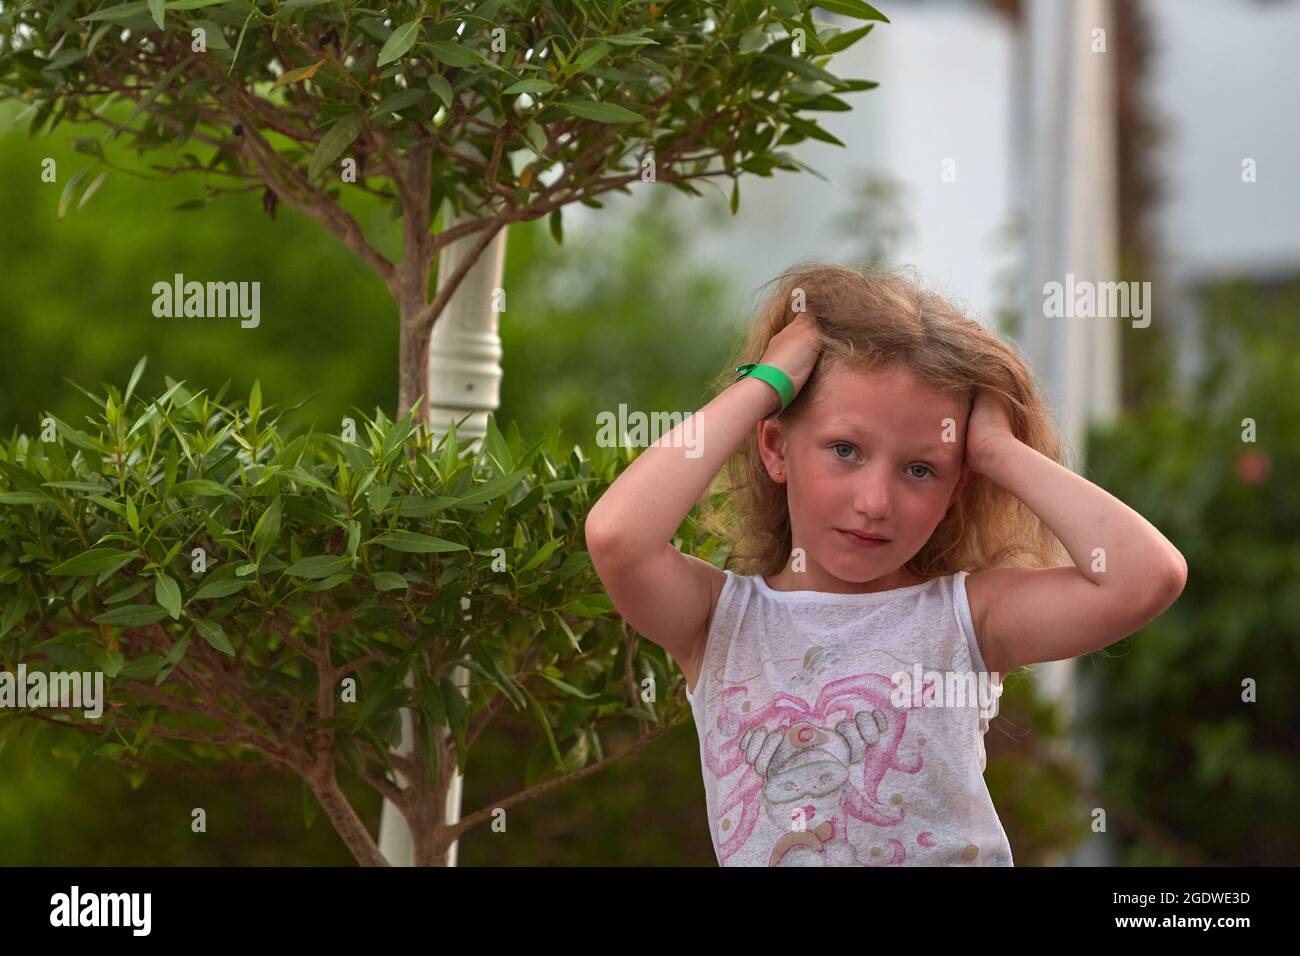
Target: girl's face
point(868, 454)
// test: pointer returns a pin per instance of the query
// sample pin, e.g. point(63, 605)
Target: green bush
point(227, 580)
point(1210, 777)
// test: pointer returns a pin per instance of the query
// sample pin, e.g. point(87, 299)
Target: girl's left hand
point(988, 427)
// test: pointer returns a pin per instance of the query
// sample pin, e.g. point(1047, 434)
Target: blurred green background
point(1191, 775)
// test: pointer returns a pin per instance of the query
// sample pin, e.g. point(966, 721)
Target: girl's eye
point(842, 445)
point(925, 467)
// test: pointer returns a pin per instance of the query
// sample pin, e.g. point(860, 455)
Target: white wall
point(944, 73)
point(1226, 79)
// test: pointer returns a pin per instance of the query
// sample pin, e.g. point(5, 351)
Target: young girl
point(901, 521)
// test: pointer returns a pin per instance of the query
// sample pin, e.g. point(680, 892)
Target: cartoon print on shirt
point(814, 769)
point(816, 662)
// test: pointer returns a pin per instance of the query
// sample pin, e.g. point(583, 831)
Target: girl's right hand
point(795, 350)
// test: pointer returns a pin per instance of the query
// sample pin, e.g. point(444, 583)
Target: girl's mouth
point(861, 541)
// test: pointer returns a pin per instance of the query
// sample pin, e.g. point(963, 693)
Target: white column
point(1072, 229)
point(464, 377)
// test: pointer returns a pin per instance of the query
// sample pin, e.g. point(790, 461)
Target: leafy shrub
point(255, 596)
point(1216, 470)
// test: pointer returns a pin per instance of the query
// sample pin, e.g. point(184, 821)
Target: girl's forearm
point(642, 510)
point(1085, 517)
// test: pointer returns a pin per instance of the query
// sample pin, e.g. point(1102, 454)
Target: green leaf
point(92, 188)
point(131, 615)
point(389, 581)
point(535, 137)
point(124, 11)
point(14, 611)
point(88, 145)
point(64, 58)
point(457, 716)
point(267, 528)
point(135, 379)
point(808, 128)
point(802, 67)
point(112, 662)
point(490, 490)
point(156, 8)
point(453, 54)
point(66, 196)
point(573, 638)
point(588, 57)
point(853, 8)
point(128, 592)
point(309, 510)
point(413, 541)
point(293, 6)
point(846, 39)
point(540, 714)
point(220, 588)
point(569, 688)
point(319, 566)
point(333, 581)
point(24, 498)
point(215, 635)
point(526, 86)
point(399, 101)
point(93, 562)
point(398, 42)
point(240, 42)
point(167, 593)
point(76, 486)
point(331, 146)
point(213, 35)
point(202, 488)
point(441, 89)
point(293, 76)
point(149, 97)
point(601, 112)
point(629, 39)
point(542, 554)
point(173, 658)
point(143, 667)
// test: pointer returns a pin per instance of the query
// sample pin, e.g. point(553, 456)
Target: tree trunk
point(413, 363)
point(464, 373)
point(346, 822)
point(412, 282)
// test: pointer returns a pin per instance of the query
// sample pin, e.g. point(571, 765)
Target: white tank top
point(816, 752)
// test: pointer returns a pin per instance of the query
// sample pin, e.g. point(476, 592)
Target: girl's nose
point(874, 498)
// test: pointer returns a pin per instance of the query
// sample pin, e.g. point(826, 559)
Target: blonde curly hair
point(870, 320)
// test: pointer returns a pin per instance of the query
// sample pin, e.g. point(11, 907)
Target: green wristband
point(773, 376)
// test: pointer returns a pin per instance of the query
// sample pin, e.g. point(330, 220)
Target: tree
point(251, 598)
point(465, 117)
point(503, 111)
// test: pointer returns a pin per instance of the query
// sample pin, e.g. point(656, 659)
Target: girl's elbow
point(1174, 579)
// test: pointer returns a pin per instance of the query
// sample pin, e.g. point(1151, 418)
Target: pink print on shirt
point(811, 768)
